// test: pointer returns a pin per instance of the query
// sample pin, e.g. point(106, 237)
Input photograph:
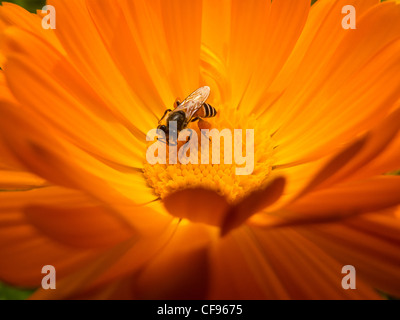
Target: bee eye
point(163, 128)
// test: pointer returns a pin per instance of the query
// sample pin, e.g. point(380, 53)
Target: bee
point(193, 108)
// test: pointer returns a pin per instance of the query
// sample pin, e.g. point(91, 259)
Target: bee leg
point(177, 103)
point(188, 138)
point(173, 143)
point(162, 140)
point(195, 119)
point(165, 113)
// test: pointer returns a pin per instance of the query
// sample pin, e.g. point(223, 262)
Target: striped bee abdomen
point(206, 111)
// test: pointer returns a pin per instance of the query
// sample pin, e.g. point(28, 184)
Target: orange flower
point(77, 102)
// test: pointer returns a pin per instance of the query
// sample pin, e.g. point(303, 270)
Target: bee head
point(163, 128)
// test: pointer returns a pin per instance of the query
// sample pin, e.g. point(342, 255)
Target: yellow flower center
point(222, 178)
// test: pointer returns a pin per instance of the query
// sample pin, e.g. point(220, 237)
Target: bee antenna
point(165, 113)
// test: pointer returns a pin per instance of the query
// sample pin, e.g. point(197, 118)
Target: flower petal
point(19, 180)
point(304, 178)
point(348, 164)
point(252, 33)
point(88, 54)
point(180, 271)
point(68, 216)
point(122, 261)
point(75, 110)
point(77, 281)
point(377, 140)
point(282, 24)
point(14, 15)
point(312, 47)
point(349, 198)
point(83, 227)
point(24, 249)
point(144, 77)
point(197, 205)
point(370, 243)
point(386, 159)
point(362, 75)
point(251, 204)
point(70, 166)
point(252, 263)
point(206, 206)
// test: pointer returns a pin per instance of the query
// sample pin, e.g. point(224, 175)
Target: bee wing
point(194, 102)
